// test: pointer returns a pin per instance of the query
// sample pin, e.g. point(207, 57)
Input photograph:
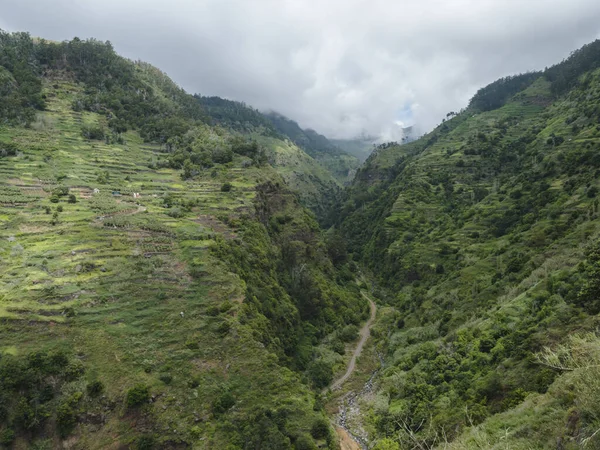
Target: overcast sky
point(341, 67)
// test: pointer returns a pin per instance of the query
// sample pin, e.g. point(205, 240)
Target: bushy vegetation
point(166, 252)
point(496, 94)
point(283, 257)
point(483, 237)
point(131, 95)
point(335, 160)
point(32, 396)
point(236, 116)
point(162, 238)
point(20, 84)
point(318, 168)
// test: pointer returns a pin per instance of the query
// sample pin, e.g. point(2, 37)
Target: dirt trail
point(364, 335)
point(347, 442)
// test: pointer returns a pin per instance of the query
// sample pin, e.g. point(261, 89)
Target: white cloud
point(340, 67)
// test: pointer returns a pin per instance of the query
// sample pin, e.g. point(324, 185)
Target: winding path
point(364, 335)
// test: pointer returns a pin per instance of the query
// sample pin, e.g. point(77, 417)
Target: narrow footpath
point(348, 441)
point(364, 335)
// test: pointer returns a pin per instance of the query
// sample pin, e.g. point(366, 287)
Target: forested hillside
point(165, 283)
point(160, 284)
point(341, 164)
point(313, 167)
point(483, 238)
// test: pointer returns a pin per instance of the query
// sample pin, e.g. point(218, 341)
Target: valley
point(182, 271)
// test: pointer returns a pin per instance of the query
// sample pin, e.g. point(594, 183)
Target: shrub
point(137, 395)
point(304, 442)
point(226, 187)
point(92, 132)
point(224, 328)
point(165, 378)
point(146, 442)
point(72, 198)
point(321, 373)
point(7, 436)
point(223, 403)
point(66, 419)
point(74, 371)
point(59, 208)
point(386, 444)
point(95, 388)
point(338, 346)
point(60, 191)
point(349, 333)
point(320, 429)
point(176, 213)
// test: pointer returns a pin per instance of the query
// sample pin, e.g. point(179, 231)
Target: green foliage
point(7, 436)
point(137, 396)
point(20, 84)
point(496, 94)
point(166, 378)
point(236, 115)
point(565, 75)
point(321, 373)
point(129, 283)
point(386, 444)
point(95, 388)
point(304, 442)
point(223, 403)
point(283, 262)
point(320, 429)
point(66, 414)
point(30, 394)
point(475, 236)
point(226, 187)
point(93, 132)
point(349, 333)
point(146, 442)
point(589, 293)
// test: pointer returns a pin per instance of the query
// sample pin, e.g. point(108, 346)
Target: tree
point(321, 373)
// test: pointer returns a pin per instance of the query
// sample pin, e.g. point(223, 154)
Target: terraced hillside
point(483, 236)
point(151, 297)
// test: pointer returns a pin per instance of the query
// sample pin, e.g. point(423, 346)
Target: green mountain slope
point(160, 285)
point(360, 147)
point(341, 164)
point(310, 165)
point(483, 237)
